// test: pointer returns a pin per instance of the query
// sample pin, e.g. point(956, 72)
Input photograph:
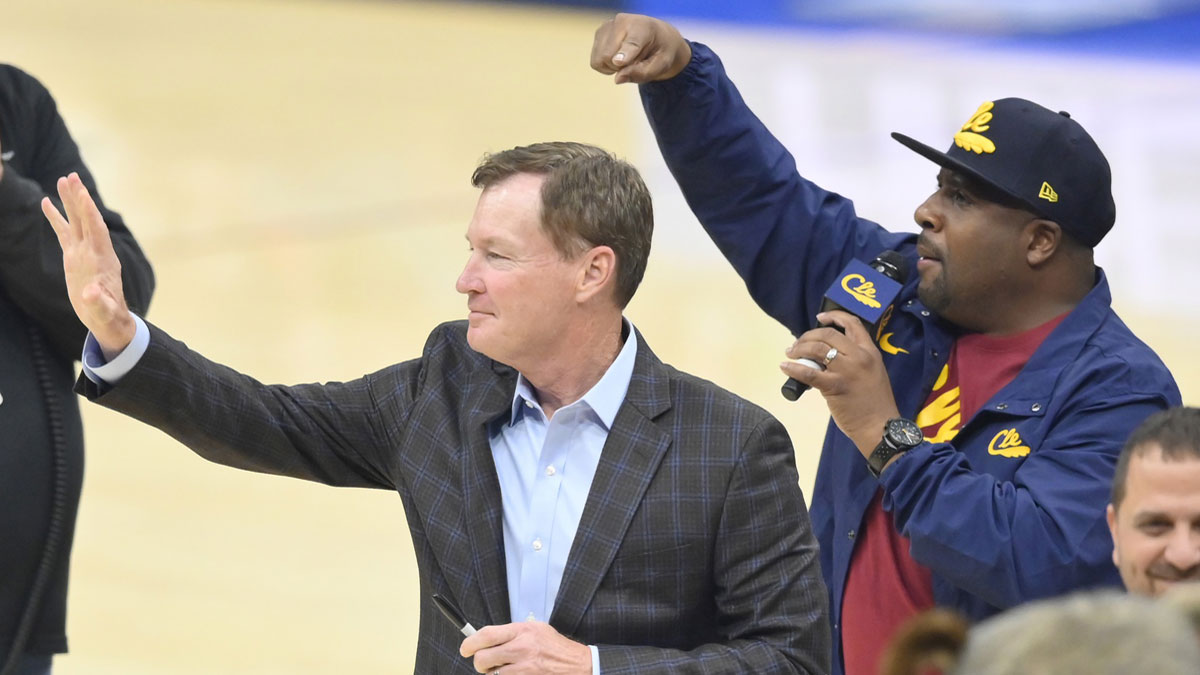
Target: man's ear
point(597, 272)
point(1111, 514)
point(1044, 239)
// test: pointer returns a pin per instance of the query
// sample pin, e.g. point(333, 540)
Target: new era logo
point(1047, 193)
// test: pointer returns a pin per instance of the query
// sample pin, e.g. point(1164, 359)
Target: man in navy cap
point(973, 436)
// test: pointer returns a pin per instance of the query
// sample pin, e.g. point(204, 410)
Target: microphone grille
point(893, 265)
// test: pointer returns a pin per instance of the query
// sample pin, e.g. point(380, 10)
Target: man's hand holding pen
point(526, 648)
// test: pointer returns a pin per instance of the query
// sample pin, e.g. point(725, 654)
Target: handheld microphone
point(867, 292)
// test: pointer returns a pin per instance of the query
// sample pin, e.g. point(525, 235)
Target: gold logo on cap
point(970, 138)
point(1047, 193)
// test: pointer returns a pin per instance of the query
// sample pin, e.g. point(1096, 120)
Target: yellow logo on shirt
point(885, 339)
point(885, 344)
point(1007, 443)
point(971, 137)
point(940, 419)
point(863, 290)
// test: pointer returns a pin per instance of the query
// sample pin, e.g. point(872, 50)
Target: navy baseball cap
point(1042, 159)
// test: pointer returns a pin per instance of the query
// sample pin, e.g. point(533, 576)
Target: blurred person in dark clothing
point(41, 435)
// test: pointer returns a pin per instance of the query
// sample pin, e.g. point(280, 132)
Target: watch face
point(905, 433)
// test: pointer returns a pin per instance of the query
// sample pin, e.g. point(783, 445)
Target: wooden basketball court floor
point(298, 173)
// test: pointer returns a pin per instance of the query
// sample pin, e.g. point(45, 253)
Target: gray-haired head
point(1098, 633)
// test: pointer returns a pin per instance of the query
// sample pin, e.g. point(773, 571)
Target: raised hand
point(91, 266)
point(639, 49)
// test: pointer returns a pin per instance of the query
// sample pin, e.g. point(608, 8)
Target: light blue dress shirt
point(110, 372)
point(545, 468)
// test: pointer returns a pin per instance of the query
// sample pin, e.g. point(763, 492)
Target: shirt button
point(1001, 406)
point(537, 544)
point(924, 312)
point(528, 403)
point(850, 534)
point(1035, 407)
point(531, 617)
point(550, 470)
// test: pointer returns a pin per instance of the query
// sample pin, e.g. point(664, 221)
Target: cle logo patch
point(971, 137)
point(1007, 443)
point(862, 290)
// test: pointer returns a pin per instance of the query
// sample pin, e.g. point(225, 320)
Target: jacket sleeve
point(31, 271)
point(328, 433)
point(1043, 533)
point(787, 237)
point(770, 598)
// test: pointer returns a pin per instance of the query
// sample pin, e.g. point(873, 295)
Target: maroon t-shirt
point(885, 586)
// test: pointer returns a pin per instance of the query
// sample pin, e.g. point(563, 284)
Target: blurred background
point(297, 171)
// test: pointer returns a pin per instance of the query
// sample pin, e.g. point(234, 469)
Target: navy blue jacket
point(994, 530)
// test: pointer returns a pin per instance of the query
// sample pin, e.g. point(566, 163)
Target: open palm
point(92, 269)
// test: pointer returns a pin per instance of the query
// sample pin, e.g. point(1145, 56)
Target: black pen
point(451, 612)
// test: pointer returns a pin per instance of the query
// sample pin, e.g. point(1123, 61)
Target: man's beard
point(936, 296)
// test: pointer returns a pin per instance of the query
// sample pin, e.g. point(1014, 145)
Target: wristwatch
point(899, 435)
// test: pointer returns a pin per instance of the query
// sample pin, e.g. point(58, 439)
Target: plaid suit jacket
point(694, 553)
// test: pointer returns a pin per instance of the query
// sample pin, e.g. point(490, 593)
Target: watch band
point(880, 456)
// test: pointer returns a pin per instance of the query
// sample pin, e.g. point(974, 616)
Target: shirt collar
point(605, 397)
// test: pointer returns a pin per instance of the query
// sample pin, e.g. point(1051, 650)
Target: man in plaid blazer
point(596, 510)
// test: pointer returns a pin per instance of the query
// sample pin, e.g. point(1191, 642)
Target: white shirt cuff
point(110, 372)
point(595, 659)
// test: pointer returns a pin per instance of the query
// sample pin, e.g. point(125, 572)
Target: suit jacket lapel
point(631, 455)
point(489, 396)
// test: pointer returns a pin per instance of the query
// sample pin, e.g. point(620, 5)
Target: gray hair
point(1098, 633)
